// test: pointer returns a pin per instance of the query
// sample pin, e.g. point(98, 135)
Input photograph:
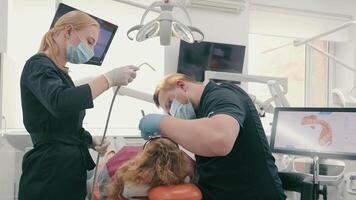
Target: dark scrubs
point(248, 172)
point(53, 111)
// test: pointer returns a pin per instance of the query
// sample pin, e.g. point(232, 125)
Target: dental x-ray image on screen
point(195, 58)
point(315, 131)
point(107, 32)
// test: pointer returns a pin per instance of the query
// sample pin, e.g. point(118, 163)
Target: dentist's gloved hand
point(150, 125)
point(121, 76)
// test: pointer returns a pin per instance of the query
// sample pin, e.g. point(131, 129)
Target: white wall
point(27, 22)
point(342, 76)
point(1, 87)
point(274, 22)
point(346, 52)
point(353, 39)
point(3, 24)
point(4, 6)
point(10, 171)
point(340, 7)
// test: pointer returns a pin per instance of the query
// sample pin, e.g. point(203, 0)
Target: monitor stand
point(316, 180)
point(316, 177)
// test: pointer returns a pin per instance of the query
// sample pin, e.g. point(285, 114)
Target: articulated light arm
point(125, 91)
point(277, 94)
point(277, 86)
point(245, 78)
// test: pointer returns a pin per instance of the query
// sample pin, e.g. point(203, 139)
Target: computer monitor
point(107, 32)
point(195, 58)
point(324, 132)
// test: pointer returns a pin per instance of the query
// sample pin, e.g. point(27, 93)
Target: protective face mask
point(79, 54)
point(182, 111)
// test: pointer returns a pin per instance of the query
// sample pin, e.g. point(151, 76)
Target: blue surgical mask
point(182, 111)
point(79, 54)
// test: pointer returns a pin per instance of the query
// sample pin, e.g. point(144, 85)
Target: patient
point(160, 163)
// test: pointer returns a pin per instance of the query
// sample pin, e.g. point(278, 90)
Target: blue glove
point(150, 125)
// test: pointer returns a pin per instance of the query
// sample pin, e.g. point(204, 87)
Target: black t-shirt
point(248, 172)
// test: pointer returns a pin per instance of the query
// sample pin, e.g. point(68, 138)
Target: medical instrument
point(143, 113)
point(165, 25)
point(106, 127)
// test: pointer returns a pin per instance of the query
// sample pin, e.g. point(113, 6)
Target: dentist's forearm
point(198, 136)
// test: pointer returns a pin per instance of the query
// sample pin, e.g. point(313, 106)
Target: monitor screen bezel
point(180, 54)
point(336, 155)
point(100, 21)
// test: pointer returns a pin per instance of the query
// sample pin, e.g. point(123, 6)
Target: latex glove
point(150, 125)
point(121, 76)
point(100, 148)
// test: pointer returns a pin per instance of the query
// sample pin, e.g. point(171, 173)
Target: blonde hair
point(77, 19)
point(169, 83)
point(160, 163)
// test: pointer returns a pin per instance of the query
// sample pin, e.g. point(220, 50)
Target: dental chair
point(187, 191)
point(297, 182)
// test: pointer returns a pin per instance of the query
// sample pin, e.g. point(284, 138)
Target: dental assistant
point(220, 125)
point(53, 111)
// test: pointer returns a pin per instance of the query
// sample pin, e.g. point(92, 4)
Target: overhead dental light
point(165, 25)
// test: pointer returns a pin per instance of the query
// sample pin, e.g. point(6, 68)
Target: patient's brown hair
point(160, 163)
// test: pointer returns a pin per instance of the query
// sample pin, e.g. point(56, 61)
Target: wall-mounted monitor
point(195, 58)
point(107, 32)
point(325, 132)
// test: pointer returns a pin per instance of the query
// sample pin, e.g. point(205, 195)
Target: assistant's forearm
point(98, 86)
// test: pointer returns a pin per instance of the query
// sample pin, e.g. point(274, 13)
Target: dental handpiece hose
point(102, 140)
point(106, 128)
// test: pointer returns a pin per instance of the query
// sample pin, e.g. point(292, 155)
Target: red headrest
point(186, 191)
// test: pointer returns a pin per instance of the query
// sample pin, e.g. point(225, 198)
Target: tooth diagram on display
point(325, 137)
